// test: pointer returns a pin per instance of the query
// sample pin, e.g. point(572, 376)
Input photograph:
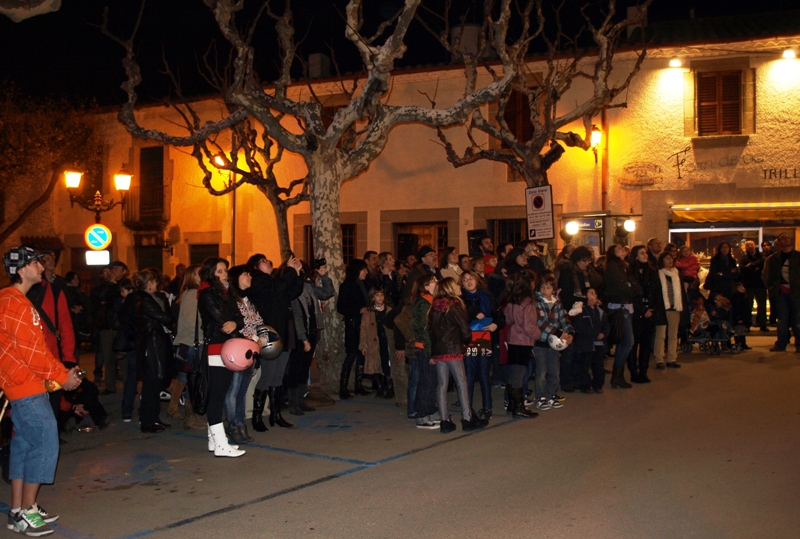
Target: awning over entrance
point(720, 213)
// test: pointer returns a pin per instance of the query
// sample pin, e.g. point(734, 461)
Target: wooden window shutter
point(719, 103)
point(518, 116)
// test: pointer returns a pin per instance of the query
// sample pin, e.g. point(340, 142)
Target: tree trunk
point(279, 208)
point(33, 206)
point(325, 187)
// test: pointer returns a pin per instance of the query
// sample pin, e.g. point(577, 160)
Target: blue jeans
point(547, 371)
point(788, 317)
point(34, 447)
point(624, 348)
point(413, 380)
point(235, 397)
point(129, 391)
point(477, 367)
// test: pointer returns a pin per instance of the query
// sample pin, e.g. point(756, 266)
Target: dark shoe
point(674, 365)
point(776, 348)
point(358, 387)
point(618, 378)
point(484, 414)
point(474, 423)
point(644, 379)
point(598, 390)
point(660, 366)
point(447, 426)
point(167, 425)
point(378, 386)
point(276, 410)
point(257, 420)
point(516, 404)
point(156, 427)
point(244, 434)
point(294, 405)
point(587, 390)
point(235, 435)
point(559, 398)
point(568, 389)
point(389, 388)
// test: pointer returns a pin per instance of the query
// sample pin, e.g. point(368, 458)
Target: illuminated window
point(719, 103)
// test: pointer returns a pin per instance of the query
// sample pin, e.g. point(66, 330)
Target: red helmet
point(238, 354)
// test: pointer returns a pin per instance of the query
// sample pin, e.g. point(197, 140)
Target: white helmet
point(556, 343)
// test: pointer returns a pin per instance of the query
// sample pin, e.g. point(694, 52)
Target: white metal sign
point(539, 202)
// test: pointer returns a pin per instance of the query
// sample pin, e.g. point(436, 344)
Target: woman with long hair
point(187, 330)
point(480, 305)
point(221, 320)
point(648, 313)
point(240, 282)
point(523, 333)
point(449, 266)
point(422, 378)
point(450, 333)
point(272, 292)
point(723, 272)
point(621, 289)
point(153, 350)
point(352, 303)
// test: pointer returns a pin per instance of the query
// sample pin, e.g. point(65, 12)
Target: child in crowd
point(374, 342)
point(688, 266)
point(591, 327)
point(552, 320)
point(699, 316)
point(741, 314)
point(720, 316)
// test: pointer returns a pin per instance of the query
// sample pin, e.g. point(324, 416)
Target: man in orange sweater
point(26, 365)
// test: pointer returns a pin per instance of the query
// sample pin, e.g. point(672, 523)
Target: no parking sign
point(97, 237)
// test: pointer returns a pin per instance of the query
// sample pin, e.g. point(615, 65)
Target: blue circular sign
point(97, 237)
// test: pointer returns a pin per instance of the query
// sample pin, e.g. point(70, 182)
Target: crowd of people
point(415, 329)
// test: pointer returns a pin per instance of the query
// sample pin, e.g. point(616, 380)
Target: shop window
point(200, 251)
point(719, 103)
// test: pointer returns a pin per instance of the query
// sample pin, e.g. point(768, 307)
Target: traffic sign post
point(97, 237)
point(539, 204)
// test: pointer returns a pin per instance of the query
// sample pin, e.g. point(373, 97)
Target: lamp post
point(72, 179)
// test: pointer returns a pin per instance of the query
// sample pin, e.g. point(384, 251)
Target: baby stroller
point(712, 340)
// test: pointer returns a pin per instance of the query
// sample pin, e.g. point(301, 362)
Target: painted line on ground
point(315, 482)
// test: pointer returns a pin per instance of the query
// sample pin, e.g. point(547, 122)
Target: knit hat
point(19, 257)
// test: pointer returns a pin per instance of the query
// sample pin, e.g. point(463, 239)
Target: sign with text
point(97, 237)
point(589, 224)
point(539, 202)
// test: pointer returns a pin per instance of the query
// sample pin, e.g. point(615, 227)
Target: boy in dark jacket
point(591, 327)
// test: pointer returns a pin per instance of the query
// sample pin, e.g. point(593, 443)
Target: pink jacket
point(688, 266)
point(521, 321)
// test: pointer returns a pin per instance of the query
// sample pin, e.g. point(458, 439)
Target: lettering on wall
point(680, 159)
point(780, 173)
point(683, 164)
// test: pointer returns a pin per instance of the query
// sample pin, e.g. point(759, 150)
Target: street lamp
point(597, 137)
point(72, 179)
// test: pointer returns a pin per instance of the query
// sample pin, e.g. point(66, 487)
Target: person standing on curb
point(26, 368)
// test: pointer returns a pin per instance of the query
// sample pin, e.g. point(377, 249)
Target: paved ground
point(707, 451)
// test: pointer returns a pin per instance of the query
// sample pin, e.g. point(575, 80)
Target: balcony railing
point(146, 211)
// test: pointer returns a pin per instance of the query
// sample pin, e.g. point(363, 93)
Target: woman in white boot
point(221, 320)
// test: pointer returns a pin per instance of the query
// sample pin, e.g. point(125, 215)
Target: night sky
point(65, 54)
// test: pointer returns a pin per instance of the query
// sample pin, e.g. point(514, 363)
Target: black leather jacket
point(272, 298)
point(215, 310)
point(449, 327)
point(153, 343)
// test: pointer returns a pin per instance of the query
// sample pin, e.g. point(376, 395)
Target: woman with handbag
point(189, 343)
point(221, 320)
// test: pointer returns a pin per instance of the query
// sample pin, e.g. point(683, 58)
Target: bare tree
point(328, 161)
point(41, 138)
point(566, 62)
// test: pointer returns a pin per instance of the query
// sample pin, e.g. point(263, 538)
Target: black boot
point(743, 342)
point(358, 386)
point(243, 432)
point(344, 377)
point(378, 386)
point(235, 435)
point(517, 404)
point(389, 388)
point(294, 406)
point(272, 406)
point(618, 378)
point(276, 409)
point(633, 368)
point(644, 363)
point(259, 398)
